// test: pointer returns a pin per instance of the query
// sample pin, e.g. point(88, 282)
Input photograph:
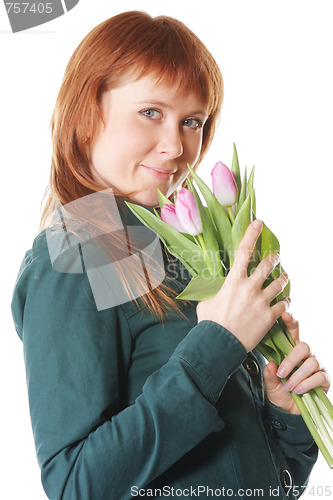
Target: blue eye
point(194, 123)
point(151, 113)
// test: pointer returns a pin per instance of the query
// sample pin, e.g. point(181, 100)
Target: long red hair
point(134, 41)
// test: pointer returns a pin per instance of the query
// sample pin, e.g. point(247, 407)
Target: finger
point(318, 379)
point(310, 366)
point(264, 268)
point(280, 307)
point(300, 352)
point(272, 381)
point(245, 249)
point(292, 326)
point(276, 287)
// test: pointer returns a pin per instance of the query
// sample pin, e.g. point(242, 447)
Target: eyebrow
point(168, 106)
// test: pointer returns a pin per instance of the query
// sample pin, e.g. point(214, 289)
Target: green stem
point(323, 397)
point(312, 428)
point(231, 215)
point(265, 351)
point(306, 404)
point(202, 243)
point(269, 350)
point(316, 417)
point(280, 340)
point(323, 410)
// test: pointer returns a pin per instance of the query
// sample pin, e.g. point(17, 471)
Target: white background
point(276, 60)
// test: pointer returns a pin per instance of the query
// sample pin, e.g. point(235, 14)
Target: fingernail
point(257, 224)
point(276, 258)
point(282, 372)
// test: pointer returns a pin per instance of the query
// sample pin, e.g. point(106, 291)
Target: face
point(151, 132)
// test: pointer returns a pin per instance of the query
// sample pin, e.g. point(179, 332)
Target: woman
point(148, 396)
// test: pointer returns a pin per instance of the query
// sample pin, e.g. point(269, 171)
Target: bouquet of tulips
point(205, 239)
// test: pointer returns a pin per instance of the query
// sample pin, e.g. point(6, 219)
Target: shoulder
point(53, 282)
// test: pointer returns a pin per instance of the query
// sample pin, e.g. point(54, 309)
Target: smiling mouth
point(161, 170)
point(160, 173)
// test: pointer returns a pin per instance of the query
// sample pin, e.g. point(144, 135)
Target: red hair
point(133, 41)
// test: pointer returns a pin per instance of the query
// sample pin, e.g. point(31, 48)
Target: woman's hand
point(310, 375)
point(242, 306)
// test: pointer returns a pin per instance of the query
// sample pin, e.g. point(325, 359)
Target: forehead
point(151, 86)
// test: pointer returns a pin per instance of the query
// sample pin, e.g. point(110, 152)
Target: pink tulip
point(188, 212)
point(168, 215)
point(184, 214)
point(224, 184)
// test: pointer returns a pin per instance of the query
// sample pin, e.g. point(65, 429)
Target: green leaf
point(267, 348)
point(202, 287)
point(212, 254)
point(270, 244)
point(253, 201)
point(189, 254)
point(251, 191)
point(163, 199)
point(243, 193)
point(242, 221)
point(251, 178)
point(218, 215)
point(235, 169)
point(156, 213)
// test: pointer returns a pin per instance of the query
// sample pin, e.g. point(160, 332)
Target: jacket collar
point(127, 216)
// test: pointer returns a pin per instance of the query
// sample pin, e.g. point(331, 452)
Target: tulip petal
point(224, 185)
point(168, 215)
point(188, 212)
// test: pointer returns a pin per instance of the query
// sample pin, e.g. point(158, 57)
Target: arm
point(88, 445)
point(244, 307)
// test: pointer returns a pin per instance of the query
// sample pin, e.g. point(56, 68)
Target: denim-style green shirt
point(123, 406)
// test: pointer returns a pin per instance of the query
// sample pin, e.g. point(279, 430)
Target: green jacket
point(123, 406)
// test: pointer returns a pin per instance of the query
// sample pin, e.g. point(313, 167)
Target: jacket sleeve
point(88, 445)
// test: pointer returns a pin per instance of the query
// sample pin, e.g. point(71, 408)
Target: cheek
point(134, 142)
point(193, 148)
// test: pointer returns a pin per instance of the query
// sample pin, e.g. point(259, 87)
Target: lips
point(161, 173)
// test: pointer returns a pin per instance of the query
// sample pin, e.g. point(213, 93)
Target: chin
point(146, 200)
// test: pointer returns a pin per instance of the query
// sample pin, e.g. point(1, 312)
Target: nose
point(170, 142)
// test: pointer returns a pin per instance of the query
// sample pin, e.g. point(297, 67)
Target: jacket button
point(279, 424)
point(286, 481)
point(251, 367)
